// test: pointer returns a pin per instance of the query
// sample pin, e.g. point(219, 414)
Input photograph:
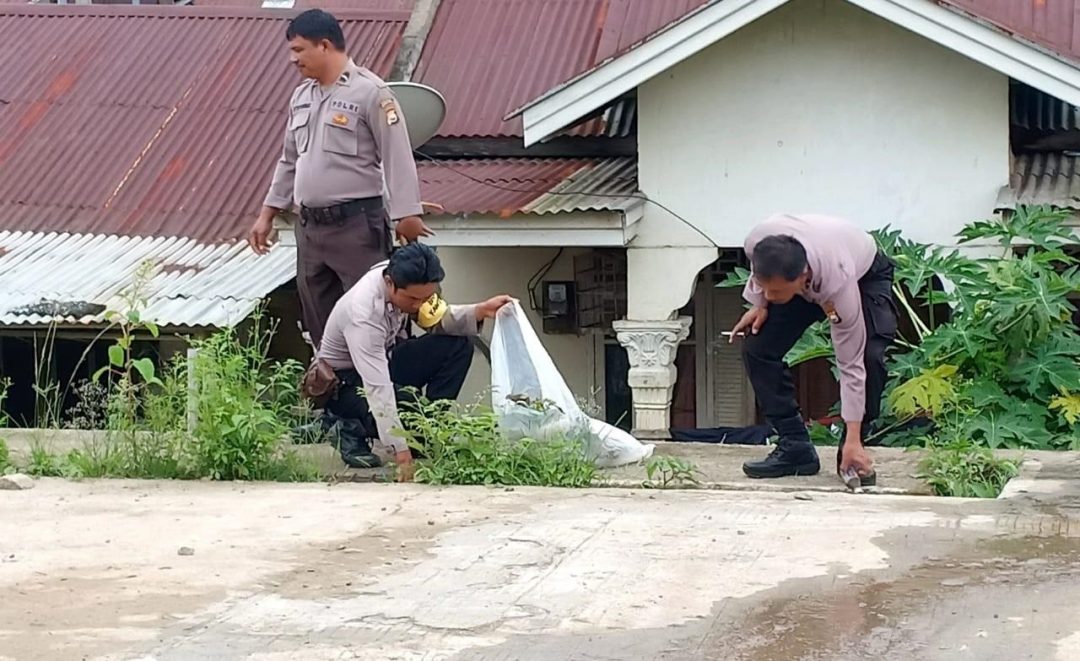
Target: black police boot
point(354, 446)
point(794, 453)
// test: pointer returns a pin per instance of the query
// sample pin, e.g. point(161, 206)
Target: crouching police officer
point(804, 269)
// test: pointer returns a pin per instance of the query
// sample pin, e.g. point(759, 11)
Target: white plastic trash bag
point(533, 401)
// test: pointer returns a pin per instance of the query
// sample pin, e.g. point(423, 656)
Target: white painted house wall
point(475, 274)
point(821, 107)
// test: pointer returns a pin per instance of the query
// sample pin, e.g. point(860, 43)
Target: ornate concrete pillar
point(652, 346)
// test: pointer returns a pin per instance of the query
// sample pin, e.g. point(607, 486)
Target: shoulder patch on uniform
point(830, 312)
point(389, 108)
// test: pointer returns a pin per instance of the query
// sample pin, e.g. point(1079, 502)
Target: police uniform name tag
point(345, 106)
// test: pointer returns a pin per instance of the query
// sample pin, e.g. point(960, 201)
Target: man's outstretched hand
point(411, 228)
point(489, 308)
point(406, 468)
point(753, 320)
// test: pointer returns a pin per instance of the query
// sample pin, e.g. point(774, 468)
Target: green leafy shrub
point(664, 471)
point(1004, 371)
point(965, 470)
point(465, 446)
point(46, 464)
point(243, 411)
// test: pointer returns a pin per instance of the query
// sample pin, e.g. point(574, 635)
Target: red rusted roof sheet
point(1051, 24)
point(332, 6)
point(162, 121)
point(506, 186)
point(488, 57)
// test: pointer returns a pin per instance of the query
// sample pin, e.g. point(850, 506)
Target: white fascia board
point(983, 43)
point(596, 229)
point(566, 105)
point(959, 32)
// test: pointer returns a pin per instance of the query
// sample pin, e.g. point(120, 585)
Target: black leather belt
point(339, 213)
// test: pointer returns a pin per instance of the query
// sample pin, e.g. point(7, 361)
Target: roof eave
point(988, 45)
point(586, 229)
point(566, 104)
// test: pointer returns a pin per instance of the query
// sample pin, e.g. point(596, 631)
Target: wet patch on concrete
point(1001, 599)
point(947, 594)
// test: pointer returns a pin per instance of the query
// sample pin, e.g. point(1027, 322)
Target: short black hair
point(415, 264)
point(779, 255)
point(316, 25)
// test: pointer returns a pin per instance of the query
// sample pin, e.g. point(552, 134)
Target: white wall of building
point(475, 274)
point(822, 107)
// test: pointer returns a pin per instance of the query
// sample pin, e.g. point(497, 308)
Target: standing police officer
point(345, 132)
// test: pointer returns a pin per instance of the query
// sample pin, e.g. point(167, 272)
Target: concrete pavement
point(367, 571)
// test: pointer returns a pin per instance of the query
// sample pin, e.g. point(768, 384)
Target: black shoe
point(361, 460)
point(794, 453)
point(354, 446)
point(785, 460)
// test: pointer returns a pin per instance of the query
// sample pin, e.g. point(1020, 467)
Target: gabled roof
point(488, 57)
point(1052, 72)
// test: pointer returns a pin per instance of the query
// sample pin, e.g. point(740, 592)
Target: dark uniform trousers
point(332, 255)
point(432, 365)
point(763, 354)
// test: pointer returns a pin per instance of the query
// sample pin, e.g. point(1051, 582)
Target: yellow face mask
point(431, 312)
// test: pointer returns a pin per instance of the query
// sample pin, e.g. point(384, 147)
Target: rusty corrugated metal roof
point(98, 136)
point(487, 57)
point(1051, 24)
point(332, 6)
point(72, 278)
point(538, 186)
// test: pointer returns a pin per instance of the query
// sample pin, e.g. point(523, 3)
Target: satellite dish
point(424, 109)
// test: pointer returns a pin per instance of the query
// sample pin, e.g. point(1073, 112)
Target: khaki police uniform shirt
point(338, 144)
point(362, 331)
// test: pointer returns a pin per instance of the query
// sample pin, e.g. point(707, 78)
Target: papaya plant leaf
point(815, 343)
point(1049, 367)
point(984, 392)
point(737, 278)
point(929, 392)
point(1068, 405)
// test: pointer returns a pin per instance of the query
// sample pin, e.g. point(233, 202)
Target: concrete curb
point(1044, 475)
